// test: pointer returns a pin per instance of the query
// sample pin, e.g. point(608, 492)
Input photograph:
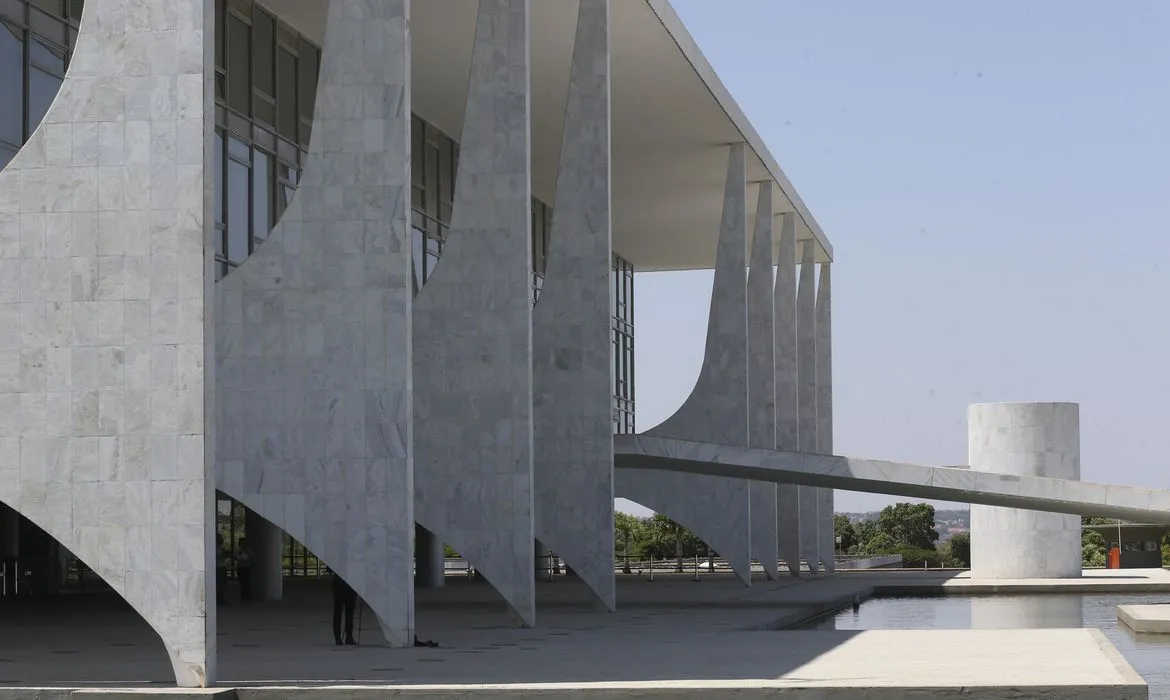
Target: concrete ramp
point(894, 478)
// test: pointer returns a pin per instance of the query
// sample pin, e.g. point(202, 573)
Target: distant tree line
point(906, 529)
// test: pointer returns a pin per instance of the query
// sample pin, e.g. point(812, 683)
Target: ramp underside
point(894, 478)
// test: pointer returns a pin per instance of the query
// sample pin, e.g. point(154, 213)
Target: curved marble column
point(572, 329)
point(826, 532)
point(104, 276)
point(762, 380)
point(787, 399)
point(806, 352)
point(314, 330)
point(473, 329)
point(715, 509)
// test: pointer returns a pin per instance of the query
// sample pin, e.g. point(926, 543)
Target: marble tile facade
point(103, 266)
point(1027, 439)
point(473, 329)
point(314, 330)
point(572, 329)
point(716, 510)
point(787, 399)
point(826, 532)
point(762, 379)
point(806, 353)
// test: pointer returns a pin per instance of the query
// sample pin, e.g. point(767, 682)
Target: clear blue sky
point(995, 178)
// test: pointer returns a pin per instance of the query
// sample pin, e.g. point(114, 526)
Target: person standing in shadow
point(244, 569)
point(221, 570)
point(344, 600)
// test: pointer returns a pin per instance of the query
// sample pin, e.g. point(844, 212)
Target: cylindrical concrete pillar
point(1025, 439)
point(428, 559)
point(265, 542)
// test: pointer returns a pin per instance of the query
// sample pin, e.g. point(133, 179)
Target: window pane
point(52, 28)
point(6, 155)
point(238, 187)
point(239, 149)
point(11, 87)
point(218, 177)
point(416, 255)
point(446, 180)
point(263, 176)
point(431, 154)
point(309, 71)
point(46, 55)
point(264, 39)
point(76, 7)
point(42, 88)
point(53, 7)
point(13, 9)
point(239, 65)
point(219, 42)
point(286, 97)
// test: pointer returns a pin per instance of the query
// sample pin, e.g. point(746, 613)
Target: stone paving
point(669, 630)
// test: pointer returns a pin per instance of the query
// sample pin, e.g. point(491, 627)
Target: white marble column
point(473, 329)
point(716, 509)
point(105, 319)
point(762, 379)
point(266, 542)
point(314, 330)
point(787, 399)
point(1025, 439)
point(824, 370)
point(429, 566)
point(806, 342)
point(572, 360)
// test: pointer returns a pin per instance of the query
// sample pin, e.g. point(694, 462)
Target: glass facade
point(435, 160)
point(265, 87)
point(36, 43)
point(622, 279)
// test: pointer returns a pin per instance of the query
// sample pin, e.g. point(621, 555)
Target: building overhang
point(673, 120)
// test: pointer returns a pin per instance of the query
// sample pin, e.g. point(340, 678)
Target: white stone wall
point(787, 399)
point(715, 509)
point(103, 282)
point(473, 329)
point(1025, 439)
point(826, 532)
point(314, 330)
point(806, 402)
point(762, 379)
point(572, 329)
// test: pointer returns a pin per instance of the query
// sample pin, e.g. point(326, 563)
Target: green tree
point(671, 532)
point(961, 549)
point(909, 524)
point(844, 533)
point(1092, 549)
point(625, 527)
point(866, 531)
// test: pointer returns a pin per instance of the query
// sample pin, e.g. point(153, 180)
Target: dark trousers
point(245, 575)
point(344, 598)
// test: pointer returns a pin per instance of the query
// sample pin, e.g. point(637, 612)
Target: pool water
point(1148, 654)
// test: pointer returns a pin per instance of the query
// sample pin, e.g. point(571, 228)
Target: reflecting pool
point(1148, 654)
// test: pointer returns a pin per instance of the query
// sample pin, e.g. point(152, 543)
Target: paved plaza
point(671, 633)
